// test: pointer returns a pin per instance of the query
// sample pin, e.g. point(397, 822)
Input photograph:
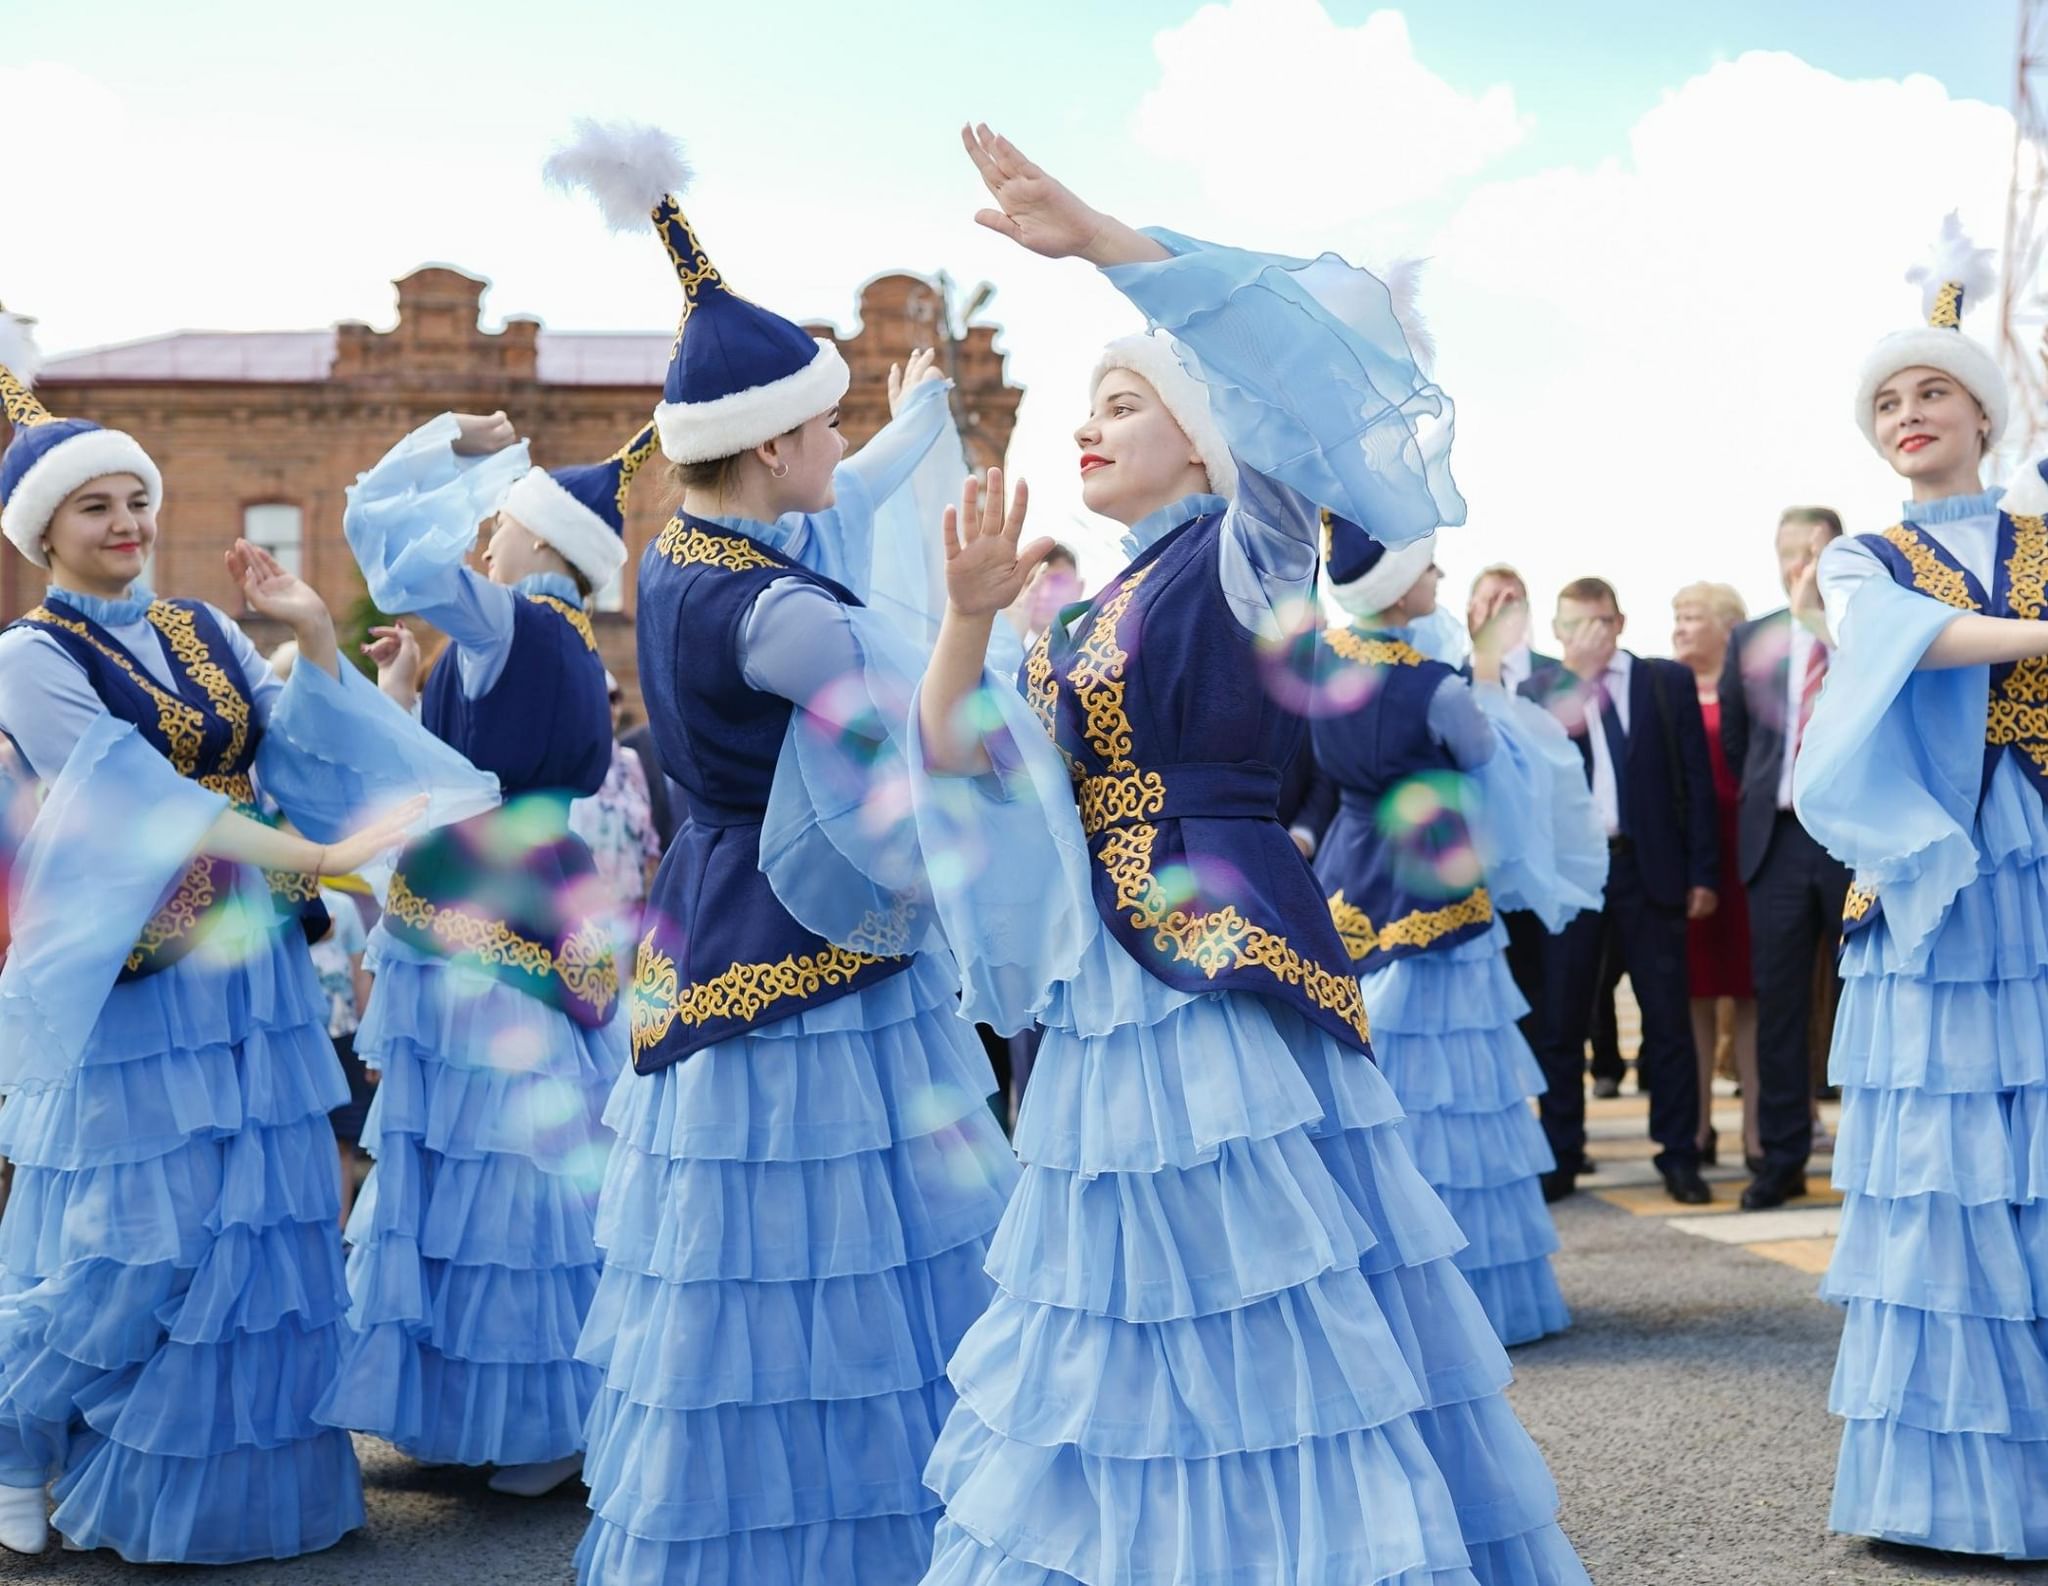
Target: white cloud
point(1288, 115)
point(1653, 356)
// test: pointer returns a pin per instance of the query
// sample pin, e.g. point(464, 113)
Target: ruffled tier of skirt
point(794, 1224)
point(1231, 1342)
point(172, 1299)
point(473, 1263)
point(1465, 1086)
point(1942, 1258)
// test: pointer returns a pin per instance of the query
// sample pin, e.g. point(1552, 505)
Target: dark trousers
point(1795, 908)
point(1526, 937)
point(1607, 1063)
point(1650, 940)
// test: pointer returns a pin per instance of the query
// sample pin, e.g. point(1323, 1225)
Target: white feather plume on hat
point(1957, 277)
point(627, 166)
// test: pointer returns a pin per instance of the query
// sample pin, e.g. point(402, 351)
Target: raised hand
point(395, 651)
point(985, 571)
point(480, 434)
point(1033, 209)
point(386, 831)
point(268, 588)
point(906, 378)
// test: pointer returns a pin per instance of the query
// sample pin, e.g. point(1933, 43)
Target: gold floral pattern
point(1931, 576)
point(183, 725)
point(2016, 715)
point(1419, 929)
point(1947, 313)
point(585, 965)
point(1214, 941)
point(683, 543)
point(1121, 796)
point(2026, 570)
point(179, 917)
point(631, 457)
point(1858, 903)
point(23, 410)
point(659, 1003)
point(1373, 652)
point(572, 615)
point(1041, 688)
point(181, 633)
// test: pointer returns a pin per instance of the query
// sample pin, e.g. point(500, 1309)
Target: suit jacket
point(1754, 705)
point(1674, 848)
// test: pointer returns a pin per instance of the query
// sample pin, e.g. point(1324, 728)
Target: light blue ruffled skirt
point(473, 1264)
point(1229, 1343)
point(171, 1287)
point(794, 1223)
point(1942, 1261)
point(1443, 1030)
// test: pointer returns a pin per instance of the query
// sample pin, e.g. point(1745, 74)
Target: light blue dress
point(171, 1291)
point(472, 1264)
point(1229, 1342)
point(1941, 1051)
point(794, 1220)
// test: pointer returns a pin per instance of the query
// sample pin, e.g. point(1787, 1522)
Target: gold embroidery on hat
point(1373, 652)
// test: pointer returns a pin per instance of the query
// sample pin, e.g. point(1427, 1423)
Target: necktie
point(1617, 746)
point(1809, 690)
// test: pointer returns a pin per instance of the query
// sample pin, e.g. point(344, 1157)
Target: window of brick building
point(279, 528)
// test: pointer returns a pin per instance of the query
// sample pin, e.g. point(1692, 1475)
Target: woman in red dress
point(1703, 615)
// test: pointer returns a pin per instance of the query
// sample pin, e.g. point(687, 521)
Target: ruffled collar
point(1149, 530)
point(560, 585)
point(124, 612)
point(1954, 509)
point(785, 536)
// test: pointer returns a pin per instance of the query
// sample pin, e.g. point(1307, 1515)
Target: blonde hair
point(1723, 604)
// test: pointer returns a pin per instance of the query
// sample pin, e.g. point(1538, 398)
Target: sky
point(1660, 238)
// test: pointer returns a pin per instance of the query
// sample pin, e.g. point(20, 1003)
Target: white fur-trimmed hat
point(49, 457)
point(1154, 356)
point(1956, 278)
point(1366, 577)
point(739, 374)
point(581, 511)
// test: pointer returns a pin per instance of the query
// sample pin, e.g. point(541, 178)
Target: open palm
point(270, 589)
point(985, 571)
point(1034, 209)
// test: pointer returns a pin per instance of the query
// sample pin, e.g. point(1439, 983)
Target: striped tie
point(1809, 689)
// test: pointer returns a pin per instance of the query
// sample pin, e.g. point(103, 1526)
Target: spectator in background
point(1718, 948)
point(1057, 583)
point(617, 822)
point(1769, 686)
point(1637, 724)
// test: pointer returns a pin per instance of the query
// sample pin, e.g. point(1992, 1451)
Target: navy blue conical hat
point(49, 457)
point(581, 510)
point(1364, 575)
point(739, 374)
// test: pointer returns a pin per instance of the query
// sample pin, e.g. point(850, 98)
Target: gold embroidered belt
point(1194, 790)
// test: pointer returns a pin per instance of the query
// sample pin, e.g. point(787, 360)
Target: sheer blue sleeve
point(1269, 550)
point(337, 751)
point(1541, 844)
point(113, 836)
point(46, 700)
point(1456, 721)
point(412, 521)
point(1311, 379)
point(1888, 770)
point(880, 538)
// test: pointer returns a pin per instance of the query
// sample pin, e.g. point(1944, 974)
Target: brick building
point(259, 434)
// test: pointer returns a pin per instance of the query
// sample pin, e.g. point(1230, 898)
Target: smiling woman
point(172, 1296)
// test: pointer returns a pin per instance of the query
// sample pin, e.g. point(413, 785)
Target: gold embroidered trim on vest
point(571, 615)
point(182, 914)
point(182, 725)
point(1222, 939)
point(1373, 652)
point(1419, 929)
point(1123, 796)
point(1858, 903)
point(1931, 576)
point(585, 964)
point(658, 1002)
point(688, 546)
point(2016, 716)
point(1041, 688)
point(182, 634)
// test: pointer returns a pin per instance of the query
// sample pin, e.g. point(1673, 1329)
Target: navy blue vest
point(2016, 721)
point(207, 729)
point(722, 956)
point(1155, 695)
point(513, 891)
point(1396, 862)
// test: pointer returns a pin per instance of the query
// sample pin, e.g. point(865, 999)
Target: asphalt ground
point(1684, 1416)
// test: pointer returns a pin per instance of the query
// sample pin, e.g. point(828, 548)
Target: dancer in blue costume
point(1454, 800)
point(797, 1210)
point(1924, 770)
point(171, 1287)
point(1229, 1342)
point(494, 1018)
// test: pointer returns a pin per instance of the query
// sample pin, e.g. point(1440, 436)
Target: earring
point(540, 545)
point(780, 473)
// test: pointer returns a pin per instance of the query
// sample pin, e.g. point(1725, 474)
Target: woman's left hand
point(906, 378)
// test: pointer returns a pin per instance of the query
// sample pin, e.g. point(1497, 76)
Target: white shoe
point(24, 1519)
point(532, 1481)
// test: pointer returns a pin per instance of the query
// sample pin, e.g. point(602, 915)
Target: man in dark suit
point(1638, 726)
point(1769, 683)
point(1497, 618)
